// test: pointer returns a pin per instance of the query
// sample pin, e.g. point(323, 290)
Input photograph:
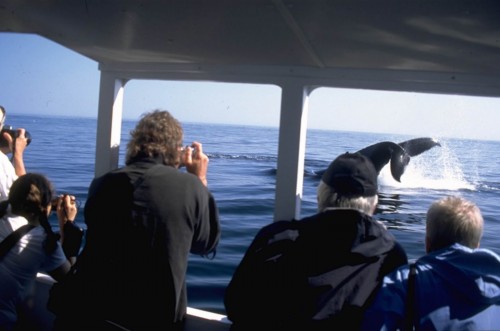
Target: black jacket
point(143, 220)
point(314, 274)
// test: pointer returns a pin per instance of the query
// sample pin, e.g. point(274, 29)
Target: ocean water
point(242, 173)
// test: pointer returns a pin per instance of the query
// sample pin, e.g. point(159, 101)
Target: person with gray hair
point(317, 273)
point(328, 198)
point(455, 286)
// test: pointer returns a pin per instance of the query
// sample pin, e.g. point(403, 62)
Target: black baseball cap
point(352, 174)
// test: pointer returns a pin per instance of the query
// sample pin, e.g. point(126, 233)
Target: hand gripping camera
point(13, 133)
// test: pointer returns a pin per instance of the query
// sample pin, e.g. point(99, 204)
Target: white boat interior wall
point(439, 46)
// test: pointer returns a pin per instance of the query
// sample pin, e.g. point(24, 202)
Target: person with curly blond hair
point(143, 220)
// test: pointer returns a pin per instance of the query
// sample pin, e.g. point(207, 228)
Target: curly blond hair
point(157, 135)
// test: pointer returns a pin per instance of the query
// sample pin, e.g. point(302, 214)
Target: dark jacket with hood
point(456, 288)
point(313, 274)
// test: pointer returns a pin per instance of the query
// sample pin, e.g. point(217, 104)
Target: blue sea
point(242, 173)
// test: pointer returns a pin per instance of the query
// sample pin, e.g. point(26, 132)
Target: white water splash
point(437, 169)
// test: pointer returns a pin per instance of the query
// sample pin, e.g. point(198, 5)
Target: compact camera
point(13, 133)
point(54, 204)
point(184, 150)
point(63, 205)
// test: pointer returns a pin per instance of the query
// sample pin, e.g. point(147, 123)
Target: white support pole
point(109, 122)
point(291, 151)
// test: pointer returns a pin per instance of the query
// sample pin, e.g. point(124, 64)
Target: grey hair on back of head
point(327, 198)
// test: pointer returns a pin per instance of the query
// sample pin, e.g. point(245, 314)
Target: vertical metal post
point(109, 122)
point(291, 151)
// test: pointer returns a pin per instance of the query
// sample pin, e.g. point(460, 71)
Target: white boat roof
point(440, 42)
point(438, 46)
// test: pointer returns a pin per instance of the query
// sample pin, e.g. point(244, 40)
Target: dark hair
point(157, 135)
point(31, 194)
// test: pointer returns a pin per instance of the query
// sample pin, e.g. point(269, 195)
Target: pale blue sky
point(39, 76)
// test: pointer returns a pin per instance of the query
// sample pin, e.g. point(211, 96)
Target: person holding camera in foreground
point(456, 286)
point(143, 220)
point(9, 171)
point(34, 247)
point(318, 273)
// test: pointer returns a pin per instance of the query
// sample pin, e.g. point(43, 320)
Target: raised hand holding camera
point(66, 208)
point(195, 161)
point(9, 135)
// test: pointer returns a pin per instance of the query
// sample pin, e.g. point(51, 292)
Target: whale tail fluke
point(417, 146)
point(381, 153)
point(399, 161)
point(399, 154)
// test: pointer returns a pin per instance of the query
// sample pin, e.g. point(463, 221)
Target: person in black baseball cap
point(350, 181)
point(317, 273)
point(352, 174)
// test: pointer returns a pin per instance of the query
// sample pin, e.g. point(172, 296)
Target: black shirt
point(143, 220)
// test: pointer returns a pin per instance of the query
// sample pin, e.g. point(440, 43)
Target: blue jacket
point(457, 288)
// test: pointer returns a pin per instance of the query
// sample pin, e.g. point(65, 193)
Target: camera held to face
point(55, 201)
point(62, 197)
point(186, 150)
point(13, 133)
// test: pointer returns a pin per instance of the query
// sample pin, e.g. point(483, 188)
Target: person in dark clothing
point(320, 272)
point(143, 220)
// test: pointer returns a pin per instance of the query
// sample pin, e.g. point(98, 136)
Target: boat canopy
point(439, 46)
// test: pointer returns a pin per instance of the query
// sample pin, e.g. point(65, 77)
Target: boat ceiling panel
point(438, 36)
